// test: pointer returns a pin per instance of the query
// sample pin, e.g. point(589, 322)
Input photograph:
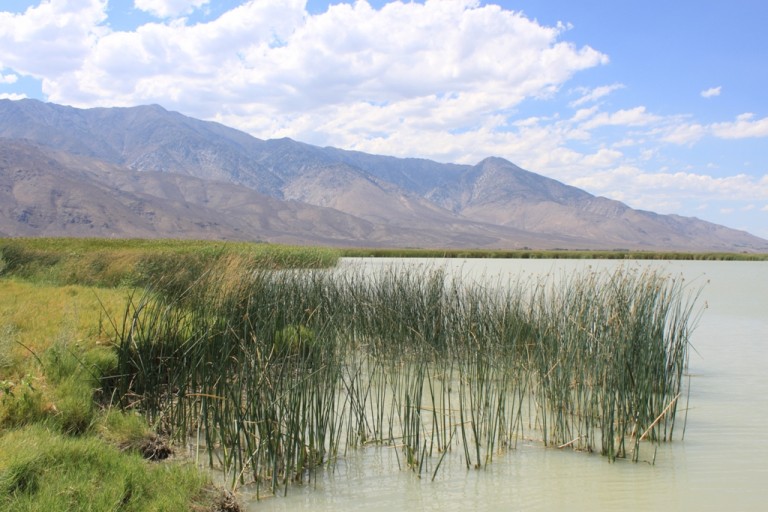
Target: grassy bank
point(57, 300)
point(61, 447)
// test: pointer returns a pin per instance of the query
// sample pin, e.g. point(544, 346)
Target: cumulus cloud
point(169, 8)
point(52, 38)
point(351, 75)
point(12, 96)
point(711, 92)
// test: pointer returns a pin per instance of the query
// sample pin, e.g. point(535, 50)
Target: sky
point(662, 105)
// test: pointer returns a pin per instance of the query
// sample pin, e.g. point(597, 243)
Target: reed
point(279, 372)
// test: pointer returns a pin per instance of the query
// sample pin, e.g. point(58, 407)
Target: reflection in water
point(721, 465)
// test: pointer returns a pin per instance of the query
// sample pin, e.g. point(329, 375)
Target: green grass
point(61, 449)
point(44, 470)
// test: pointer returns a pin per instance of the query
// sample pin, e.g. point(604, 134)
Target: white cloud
point(12, 96)
point(603, 158)
point(169, 8)
point(684, 133)
point(745, 126)
point(711, 92)
point(8, 79)
point(764, 208)
point(739, 186)
point(595, 94)
point(629, 117)
point(649, 190)
point(51, 38)
point(267, 66)
point(685, 193)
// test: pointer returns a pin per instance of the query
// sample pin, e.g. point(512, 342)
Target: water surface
point(721, 464)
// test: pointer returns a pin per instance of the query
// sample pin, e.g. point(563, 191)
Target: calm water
point(722, 464)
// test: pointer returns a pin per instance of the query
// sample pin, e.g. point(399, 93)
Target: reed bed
point(278, 373)
point(528, 253)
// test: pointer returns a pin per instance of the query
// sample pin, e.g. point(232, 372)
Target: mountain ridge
point(289, 191)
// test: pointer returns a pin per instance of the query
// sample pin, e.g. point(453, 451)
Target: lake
point(721, 464)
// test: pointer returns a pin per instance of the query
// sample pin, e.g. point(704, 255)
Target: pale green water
point(722, 464)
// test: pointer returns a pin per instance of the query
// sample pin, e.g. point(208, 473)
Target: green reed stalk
point(275, 371)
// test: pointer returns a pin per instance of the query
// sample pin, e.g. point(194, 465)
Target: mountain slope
point(144, 171)
point(49, 193)
point(44, 192)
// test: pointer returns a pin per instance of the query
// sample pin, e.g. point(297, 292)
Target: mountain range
point(145, 172)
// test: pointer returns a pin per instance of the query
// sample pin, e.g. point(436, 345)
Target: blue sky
point(658, 104)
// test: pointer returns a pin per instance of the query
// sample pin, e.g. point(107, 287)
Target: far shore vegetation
point(115, 353)
point(615, 254)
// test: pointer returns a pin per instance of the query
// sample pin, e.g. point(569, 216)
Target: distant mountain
point(147, 172)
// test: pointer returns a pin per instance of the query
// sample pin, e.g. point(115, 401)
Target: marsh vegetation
point(271, 363)
point(273, 374)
